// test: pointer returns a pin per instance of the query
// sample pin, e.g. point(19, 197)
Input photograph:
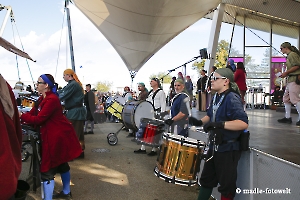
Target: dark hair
point(88, 85)
point(214, 68)
point(240, 65)
point(50, 77)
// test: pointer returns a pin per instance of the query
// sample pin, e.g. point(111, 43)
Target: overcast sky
point(43, 35)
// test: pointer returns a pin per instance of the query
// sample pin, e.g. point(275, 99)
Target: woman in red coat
point(58, 138)
point(240, 79)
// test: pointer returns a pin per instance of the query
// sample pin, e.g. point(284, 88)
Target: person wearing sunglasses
point(292, 90)
point(225, 121)
point(180, 110)
point(59, 142)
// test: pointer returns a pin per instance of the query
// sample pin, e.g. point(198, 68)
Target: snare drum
point(28, 101)
point(24, 109)
point(150, 132)
point(115, 106)
point(179, 159)
point(135, 110)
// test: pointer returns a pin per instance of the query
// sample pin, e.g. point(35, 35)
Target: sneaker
point(152, 153)
point(85, 133)
point(62, 195)
point(133, 140)
point(140, 151)
point(285, 120)
point(298, 123)
point(90, 132)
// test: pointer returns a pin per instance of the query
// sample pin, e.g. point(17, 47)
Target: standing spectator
point(127, 94)
point(240, 79)
point(180, 110)
point(158, 99)
point(210, 92)
point(225, 120)
point(180, 75)
point(89, 101)
point(189, 88)
point(231, 65)
point(143, 92)
point(292, 90)
point(11, 141)
point(58, 138)
point(203, 89)
point(29, 89)
point(172, 90)
point(277, 96)
point(73, 96)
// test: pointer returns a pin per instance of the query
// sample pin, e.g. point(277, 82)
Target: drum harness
point(215, 147)
point(156, 110)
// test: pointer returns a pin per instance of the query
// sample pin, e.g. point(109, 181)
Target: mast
point(8, 13)
point(70, 35)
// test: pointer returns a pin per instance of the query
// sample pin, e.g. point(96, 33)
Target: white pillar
point(214, 36)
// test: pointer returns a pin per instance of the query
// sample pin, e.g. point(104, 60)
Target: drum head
point(120, 99)
point(143, 110)
point(108, 101)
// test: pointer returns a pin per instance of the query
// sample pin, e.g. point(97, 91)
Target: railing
point(262, 176)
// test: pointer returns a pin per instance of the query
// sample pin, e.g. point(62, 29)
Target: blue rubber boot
point(66, 178)
point(48, 189)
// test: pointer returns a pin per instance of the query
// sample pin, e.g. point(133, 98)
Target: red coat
point(10, 150)
point(240, 79)
point(59, 141)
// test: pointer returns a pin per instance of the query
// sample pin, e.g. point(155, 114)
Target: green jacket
point(293, 59)
point(72, 95)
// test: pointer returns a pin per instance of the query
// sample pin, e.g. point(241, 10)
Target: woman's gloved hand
point(195, 122)
point(213, 125)
point(169, 122)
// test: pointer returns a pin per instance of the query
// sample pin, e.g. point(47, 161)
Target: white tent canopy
point(137, 29)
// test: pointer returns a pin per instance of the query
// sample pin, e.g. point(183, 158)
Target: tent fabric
point(137, 29)
point(10, 47)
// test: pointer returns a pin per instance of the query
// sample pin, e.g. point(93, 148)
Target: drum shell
point(134, 111)
point(179, 159)
point(150, 132)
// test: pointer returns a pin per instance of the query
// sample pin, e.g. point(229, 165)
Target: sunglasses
point(38, 82)
point(217, 77)
point(177, 85)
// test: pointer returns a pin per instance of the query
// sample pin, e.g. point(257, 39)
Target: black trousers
point(49, 175)
point(222, 169)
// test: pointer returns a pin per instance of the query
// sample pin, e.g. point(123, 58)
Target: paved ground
point(115, 172)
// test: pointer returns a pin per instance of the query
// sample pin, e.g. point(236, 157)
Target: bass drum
point(134, 111)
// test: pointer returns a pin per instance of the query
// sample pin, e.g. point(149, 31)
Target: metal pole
point(8, 13)
point(70, 35)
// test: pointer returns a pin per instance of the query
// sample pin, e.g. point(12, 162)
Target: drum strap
point(154, 94)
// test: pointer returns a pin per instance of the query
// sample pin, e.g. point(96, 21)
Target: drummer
point(158, 99)
point(225, 120)
point(180, 110)
point(143, 92)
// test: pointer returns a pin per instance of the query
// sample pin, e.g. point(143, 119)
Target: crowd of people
point(221, 94)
